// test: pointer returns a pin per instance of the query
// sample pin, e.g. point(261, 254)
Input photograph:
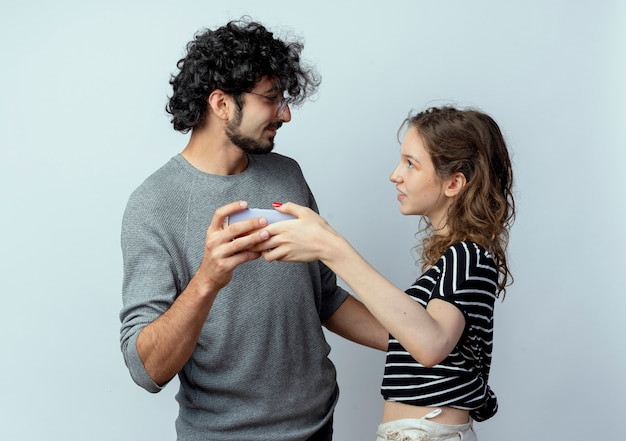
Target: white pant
point(420, 429)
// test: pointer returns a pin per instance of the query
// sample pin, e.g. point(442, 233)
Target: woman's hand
point(305, 239)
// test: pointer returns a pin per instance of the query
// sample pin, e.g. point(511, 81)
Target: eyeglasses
point(281, 101)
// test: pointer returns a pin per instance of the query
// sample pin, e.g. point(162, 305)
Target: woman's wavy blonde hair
point(470, 142)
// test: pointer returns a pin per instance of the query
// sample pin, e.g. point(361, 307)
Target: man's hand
point(226, 247)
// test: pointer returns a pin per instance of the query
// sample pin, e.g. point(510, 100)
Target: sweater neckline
point(186, 165)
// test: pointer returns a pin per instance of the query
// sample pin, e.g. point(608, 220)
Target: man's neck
point(214, 154)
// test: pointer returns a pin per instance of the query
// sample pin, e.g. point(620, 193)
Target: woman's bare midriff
point(397, 411)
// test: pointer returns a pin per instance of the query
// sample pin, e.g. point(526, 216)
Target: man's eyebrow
point(275, 89)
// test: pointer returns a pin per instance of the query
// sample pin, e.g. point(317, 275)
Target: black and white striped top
point(467, 277)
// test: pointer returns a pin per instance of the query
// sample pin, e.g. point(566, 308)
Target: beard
point(245, 143)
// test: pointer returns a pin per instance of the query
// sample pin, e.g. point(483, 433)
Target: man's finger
point(220, 215)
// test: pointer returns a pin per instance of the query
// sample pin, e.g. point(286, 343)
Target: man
point(242, 334)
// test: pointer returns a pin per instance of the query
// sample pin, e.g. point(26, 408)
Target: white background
point(82, 123)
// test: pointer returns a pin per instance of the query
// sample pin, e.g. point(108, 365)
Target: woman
point(455, 171)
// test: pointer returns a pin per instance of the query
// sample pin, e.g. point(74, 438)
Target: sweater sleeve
point(149, 284)
point(333, 295)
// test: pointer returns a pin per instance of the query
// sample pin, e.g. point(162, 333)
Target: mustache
point(275, 126)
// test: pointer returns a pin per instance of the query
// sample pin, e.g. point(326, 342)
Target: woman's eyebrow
point(411, 157)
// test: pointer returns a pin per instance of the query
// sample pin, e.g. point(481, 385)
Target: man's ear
point(455, 184)
point(218, 103)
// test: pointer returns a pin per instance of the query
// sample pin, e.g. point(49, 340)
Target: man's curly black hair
point(233, 58)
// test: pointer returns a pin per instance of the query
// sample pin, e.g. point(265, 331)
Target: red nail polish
point(276, 204)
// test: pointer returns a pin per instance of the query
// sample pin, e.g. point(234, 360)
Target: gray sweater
point(260, 370)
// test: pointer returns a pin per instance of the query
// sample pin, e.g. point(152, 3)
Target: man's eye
point(409, 164)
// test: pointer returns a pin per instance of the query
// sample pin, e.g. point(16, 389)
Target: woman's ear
point(455, 184)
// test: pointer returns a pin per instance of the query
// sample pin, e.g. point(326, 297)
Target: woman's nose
point(395, 176)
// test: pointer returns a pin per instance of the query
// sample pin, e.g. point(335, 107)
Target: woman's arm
point(428, 334)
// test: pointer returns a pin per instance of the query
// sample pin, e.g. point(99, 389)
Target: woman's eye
point(409, 164)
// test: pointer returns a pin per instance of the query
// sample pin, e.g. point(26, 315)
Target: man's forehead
point(268, 85)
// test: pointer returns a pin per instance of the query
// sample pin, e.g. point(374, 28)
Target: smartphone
point(270, 214)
